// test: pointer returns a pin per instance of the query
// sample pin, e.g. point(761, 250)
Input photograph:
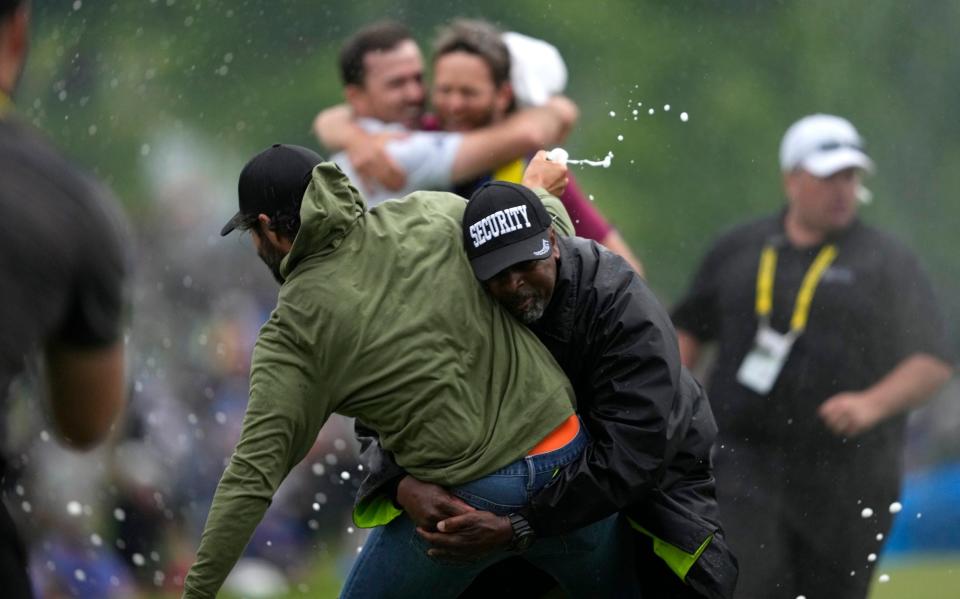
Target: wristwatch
point(523, 535)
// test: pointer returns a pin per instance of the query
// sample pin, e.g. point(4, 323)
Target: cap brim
point(232, 224)
point(824, 164)
point(487, 266)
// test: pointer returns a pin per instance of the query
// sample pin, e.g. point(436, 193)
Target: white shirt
point(426, 157)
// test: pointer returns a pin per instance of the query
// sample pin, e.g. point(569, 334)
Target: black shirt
point(873, 307)
point(61, 253)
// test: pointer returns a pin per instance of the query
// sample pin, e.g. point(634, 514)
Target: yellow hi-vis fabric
point(512, 172)
point(6, 104)
point(678, 560)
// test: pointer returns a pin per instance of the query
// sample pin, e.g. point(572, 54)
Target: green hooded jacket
point(380, 318)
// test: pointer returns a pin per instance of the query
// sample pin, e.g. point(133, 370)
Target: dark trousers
point(515, 578)
point(796, 526)
point(13, 560)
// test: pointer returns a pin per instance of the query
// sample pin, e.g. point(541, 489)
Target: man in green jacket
point(378, 317)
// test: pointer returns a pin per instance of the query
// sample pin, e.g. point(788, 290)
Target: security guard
point(828, 334)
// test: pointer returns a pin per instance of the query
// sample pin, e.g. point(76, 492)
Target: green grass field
point(935, 577)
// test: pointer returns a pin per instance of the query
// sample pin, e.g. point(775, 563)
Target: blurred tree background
point(165, 100)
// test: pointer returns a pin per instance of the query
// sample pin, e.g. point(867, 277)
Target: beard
point(530, 313)
point(272, 257)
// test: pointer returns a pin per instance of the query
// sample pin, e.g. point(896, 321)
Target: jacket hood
point(331, 206)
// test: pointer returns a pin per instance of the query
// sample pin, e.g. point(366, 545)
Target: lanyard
point(801, 308)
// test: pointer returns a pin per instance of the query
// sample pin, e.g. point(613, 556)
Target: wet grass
point(936, 577)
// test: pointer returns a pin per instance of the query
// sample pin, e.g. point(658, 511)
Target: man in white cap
point(828, 334)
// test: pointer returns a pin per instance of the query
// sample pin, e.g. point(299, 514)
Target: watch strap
point(523, 534)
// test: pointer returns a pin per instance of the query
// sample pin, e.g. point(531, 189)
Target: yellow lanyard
point(801, 309)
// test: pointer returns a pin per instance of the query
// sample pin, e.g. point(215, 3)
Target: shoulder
point(59, 191)
point(882, 249)
point(864, 234)
point(599, 270)
point(310, 306)
point(371, 125)
point(581, 248)
point(746, 233)
point(28, 151)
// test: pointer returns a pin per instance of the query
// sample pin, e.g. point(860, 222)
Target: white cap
point(537, 70)
point(822, 145)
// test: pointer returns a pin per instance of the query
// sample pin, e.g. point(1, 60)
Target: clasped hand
point(454, 529)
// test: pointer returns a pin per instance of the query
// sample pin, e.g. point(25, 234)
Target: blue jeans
point(594, 561)
point(511, 487)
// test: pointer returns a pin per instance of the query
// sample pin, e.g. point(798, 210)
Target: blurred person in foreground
point(650, 422)
point(386, 154)
point(379, 318)
point(487, 86)
point(828, 335)
point(64, 268)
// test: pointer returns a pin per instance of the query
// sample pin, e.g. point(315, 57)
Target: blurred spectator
point(479, 75)
point(62, 289)
point(382, 72)
point(828, 335)
point(476, 74)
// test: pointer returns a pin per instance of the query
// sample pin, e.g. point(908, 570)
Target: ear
point(504, 98)
point(357, 98)
point(791, 180)
point(278, 241)
point(555, 252)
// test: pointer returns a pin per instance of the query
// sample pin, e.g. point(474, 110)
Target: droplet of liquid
point(866, 513)
point(684, 117)
point(895, 507)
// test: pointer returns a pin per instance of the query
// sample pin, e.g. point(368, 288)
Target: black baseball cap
point(504, 224)
point(273, 179)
